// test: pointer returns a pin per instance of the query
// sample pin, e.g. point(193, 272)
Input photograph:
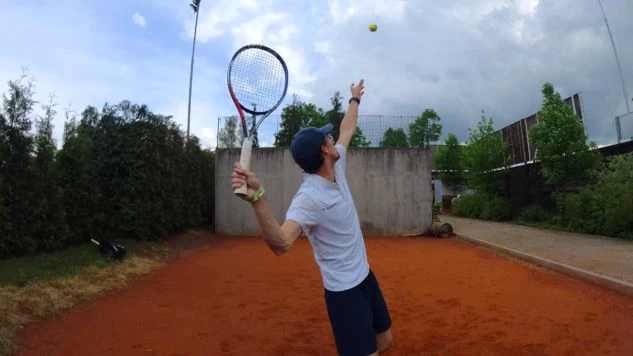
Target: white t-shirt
point(328, 217)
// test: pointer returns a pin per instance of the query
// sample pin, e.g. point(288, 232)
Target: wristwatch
point(354, 99)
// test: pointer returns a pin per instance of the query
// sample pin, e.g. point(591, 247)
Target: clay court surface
point(233, 297)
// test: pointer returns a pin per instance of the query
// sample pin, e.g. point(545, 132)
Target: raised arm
point(348, 125)
point(278, 237)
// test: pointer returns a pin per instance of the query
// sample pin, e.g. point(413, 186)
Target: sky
point(458, 57)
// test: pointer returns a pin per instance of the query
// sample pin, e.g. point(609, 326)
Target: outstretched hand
point(243, 176)
point(358, 89)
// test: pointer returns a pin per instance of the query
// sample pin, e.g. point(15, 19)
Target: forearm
point(270, 228)
point(348, 124)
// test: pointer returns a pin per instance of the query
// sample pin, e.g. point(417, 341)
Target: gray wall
point(391, 188)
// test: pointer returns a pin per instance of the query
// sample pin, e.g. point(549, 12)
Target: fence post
point(217, 135)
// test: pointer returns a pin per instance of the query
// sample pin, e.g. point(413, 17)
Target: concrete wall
point(391, 188)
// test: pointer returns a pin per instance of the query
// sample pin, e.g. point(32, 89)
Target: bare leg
point(384, 340)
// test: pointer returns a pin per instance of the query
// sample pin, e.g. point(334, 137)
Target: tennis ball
point(373, 27)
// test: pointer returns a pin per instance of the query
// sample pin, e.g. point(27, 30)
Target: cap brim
point(326, 128)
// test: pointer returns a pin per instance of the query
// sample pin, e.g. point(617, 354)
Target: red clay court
point(446, 297)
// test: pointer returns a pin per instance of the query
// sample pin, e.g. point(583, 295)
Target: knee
point(385, 341)
point(386, 345)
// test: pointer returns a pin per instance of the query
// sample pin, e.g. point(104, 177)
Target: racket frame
point(247, 143)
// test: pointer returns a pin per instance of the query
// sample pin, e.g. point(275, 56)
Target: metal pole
point(626, 96)
point(217, 135)
point(196, 7)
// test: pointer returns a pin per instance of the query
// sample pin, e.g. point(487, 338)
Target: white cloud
point(457, 57)
point(322, 47)
point(242, 22)
point(340, 13)
point(527, 7)
point(208, 137)
point(139, 20)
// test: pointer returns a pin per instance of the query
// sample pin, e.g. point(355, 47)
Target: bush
point(468, 206)
point(605, 208)
point(534, 213)
point(482, 206)
point(496, 209)
point(436, 211)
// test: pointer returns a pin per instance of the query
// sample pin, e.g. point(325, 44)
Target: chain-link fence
point(373, 127)
point(624, 127)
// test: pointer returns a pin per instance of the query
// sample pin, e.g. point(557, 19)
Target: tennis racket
point(258, 80)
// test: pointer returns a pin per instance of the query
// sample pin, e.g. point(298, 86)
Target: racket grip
point(245, 162)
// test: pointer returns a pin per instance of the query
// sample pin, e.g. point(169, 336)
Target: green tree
point(484, 157)
point(561, 143)
point(228, 137)
point(425, 129)
point(394, 138)
point(16, 169)
point(48, 217)
point(335, 116)
point(296, 116)
point(448, 161)
point(78, 177)
point(358, 139)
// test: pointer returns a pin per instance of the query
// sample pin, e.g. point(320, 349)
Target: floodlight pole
point(617, 60)
point(195, 5)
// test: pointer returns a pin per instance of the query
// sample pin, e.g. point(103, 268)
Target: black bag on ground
point(111, 249)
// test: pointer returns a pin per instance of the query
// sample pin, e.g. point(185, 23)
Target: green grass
point(69, 262)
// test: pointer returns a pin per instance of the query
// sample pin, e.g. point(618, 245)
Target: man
point(323, 210)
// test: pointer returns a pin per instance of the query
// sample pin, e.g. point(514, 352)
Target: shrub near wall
point(483, 206)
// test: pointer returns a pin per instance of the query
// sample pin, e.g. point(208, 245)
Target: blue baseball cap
point(306, 145)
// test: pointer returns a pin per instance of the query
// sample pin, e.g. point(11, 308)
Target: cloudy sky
point(455, 56)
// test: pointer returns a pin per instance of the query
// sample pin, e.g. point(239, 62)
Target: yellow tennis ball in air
point(373, 27)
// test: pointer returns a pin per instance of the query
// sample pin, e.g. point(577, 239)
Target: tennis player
point(323, 209)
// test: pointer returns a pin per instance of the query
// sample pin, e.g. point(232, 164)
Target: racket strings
point(258, 80)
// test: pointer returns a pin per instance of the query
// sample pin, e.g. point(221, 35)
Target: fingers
point(358, 89)
point(238, 168)
point(238, 178)
point(237, 182)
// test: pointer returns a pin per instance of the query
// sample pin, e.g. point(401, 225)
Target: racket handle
point(245, 162)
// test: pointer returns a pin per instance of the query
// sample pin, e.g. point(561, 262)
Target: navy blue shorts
point(356, 316)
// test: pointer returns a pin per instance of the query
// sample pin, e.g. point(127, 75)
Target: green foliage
point(604, 208)
point(468, 205)
point(124, 172)
point(17, 233)
point(448, 161)
point(484, 157)
point(229, 136)
point(394, 138)
point(497, 209)
point(78, 177)
point(425, 129)
point(358, 139)
point(561, 142)
point(534, 213)
point(251, 121)
point(49, 266)
point(483, 206)
point(437, 206)
point(294, 117)
point(336, 114)
point(49, 216)
point(299, 114)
